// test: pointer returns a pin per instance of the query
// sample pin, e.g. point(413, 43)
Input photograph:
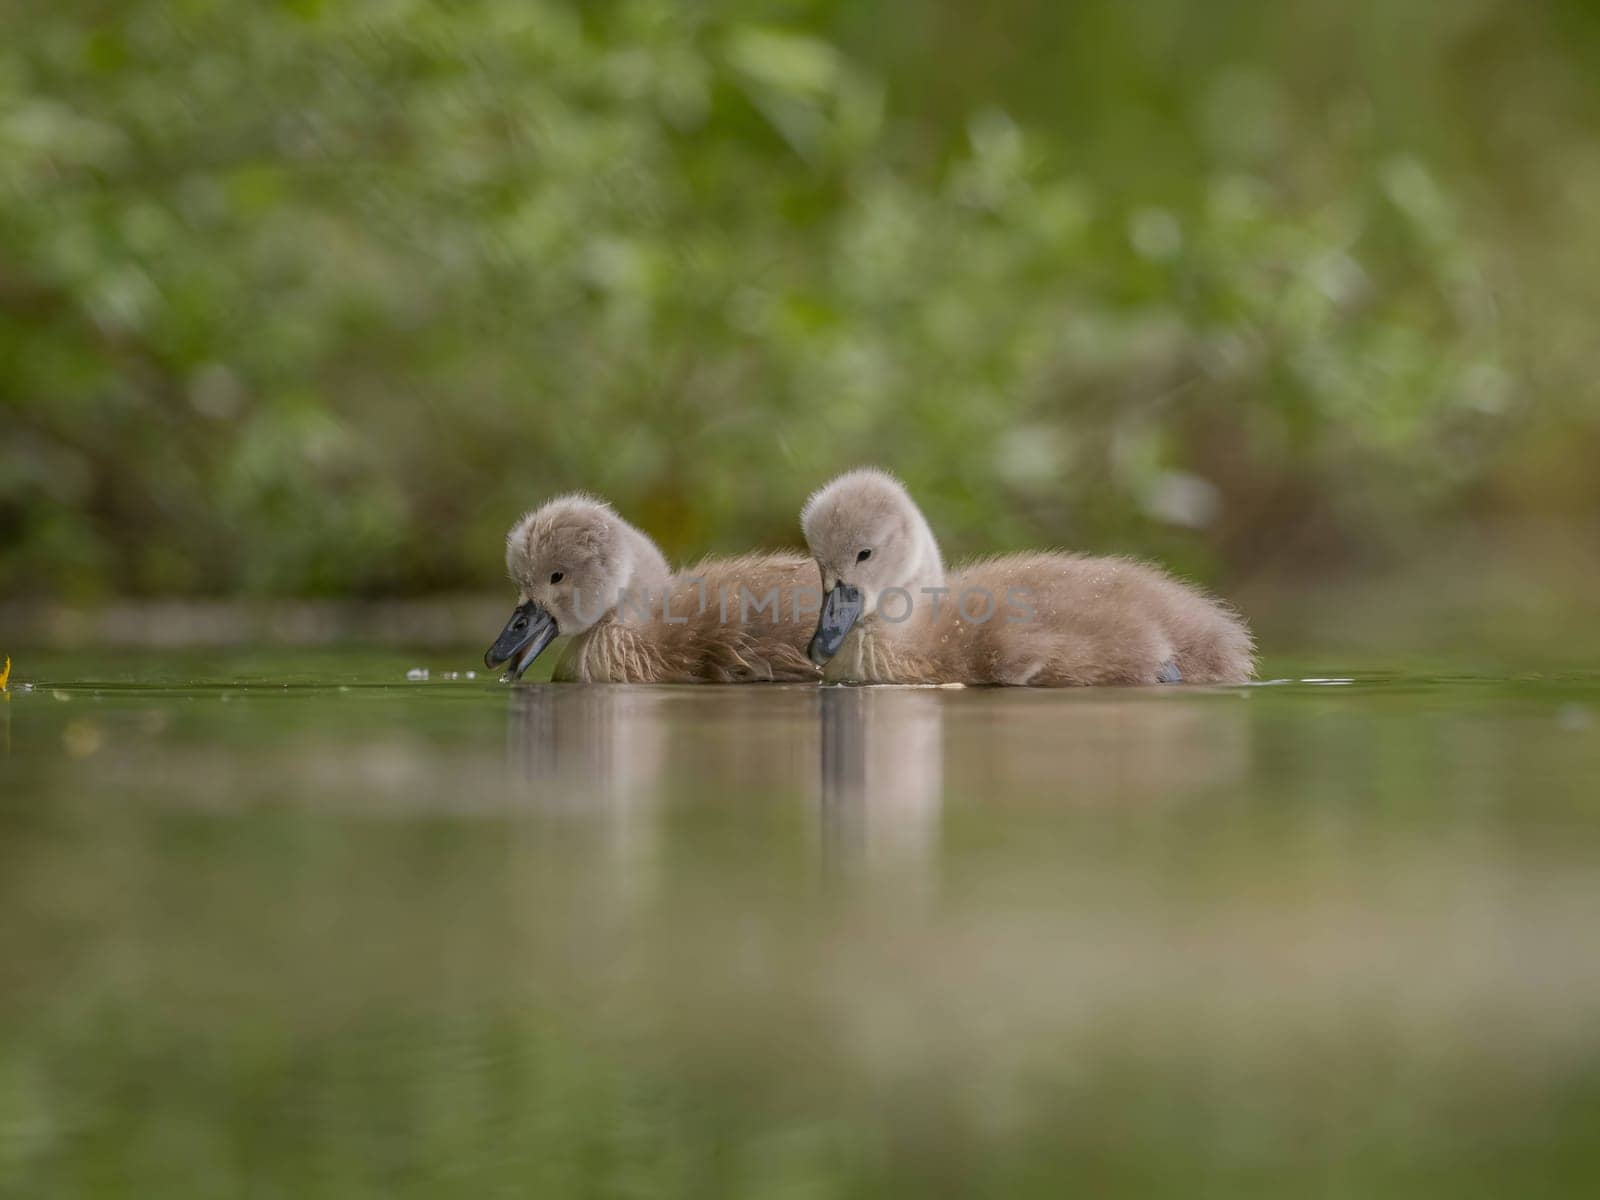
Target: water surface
point(290, 925)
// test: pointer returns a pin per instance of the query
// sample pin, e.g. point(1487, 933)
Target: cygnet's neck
point(924, 571)
point(646, 579)
point(927, 570)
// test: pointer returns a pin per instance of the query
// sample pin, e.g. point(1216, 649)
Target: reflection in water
point(870, 761)
point(1134, 753)
point(607, 749)
point(877, 764)
point(882, 775)
point(597, 750)
point(596, 755)
point(673, 941)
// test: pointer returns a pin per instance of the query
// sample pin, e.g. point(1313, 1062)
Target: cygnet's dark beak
point(528, 632)
point(841, 609)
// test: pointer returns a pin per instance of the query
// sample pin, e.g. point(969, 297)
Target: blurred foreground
point(283, 925)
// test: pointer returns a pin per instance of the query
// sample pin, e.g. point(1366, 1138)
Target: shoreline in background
point(186, 623)
point(1494, 615)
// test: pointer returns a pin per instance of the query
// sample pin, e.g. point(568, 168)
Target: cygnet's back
point(758, 614)
point(1080, 620)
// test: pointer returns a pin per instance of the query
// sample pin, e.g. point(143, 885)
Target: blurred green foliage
point(316, 297)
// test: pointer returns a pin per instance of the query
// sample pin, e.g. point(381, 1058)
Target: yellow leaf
point(5, 673)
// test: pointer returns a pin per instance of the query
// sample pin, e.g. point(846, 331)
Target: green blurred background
point(311, 299)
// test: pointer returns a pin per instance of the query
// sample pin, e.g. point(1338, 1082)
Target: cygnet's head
point(570, 559)
point(867, 536)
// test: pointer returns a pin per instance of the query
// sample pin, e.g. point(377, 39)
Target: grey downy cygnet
point(891, 614)
point(582, 571)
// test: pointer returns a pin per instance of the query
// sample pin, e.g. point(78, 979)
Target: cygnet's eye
point(555, 577)
point(864, 555)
